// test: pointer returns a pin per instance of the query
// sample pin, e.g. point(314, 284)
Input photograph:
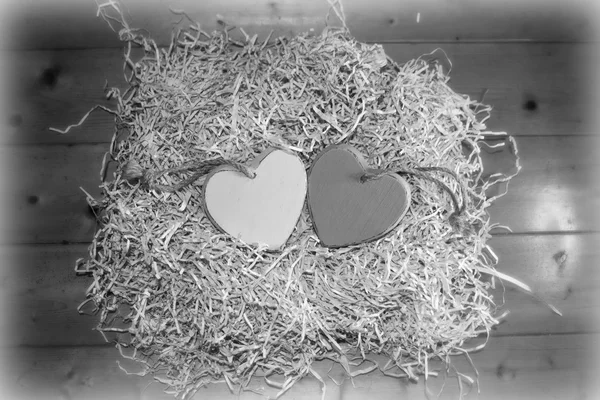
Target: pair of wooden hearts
point(344, 210)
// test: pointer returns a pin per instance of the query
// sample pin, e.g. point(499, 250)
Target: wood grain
point(556, 190)
point(56, 89)
point(534, 89)
point(46, 197)
point(40, 289)
point(535, 367)
point(540, 92)
point(562, 270)
point(52, 24)
point(41, 292)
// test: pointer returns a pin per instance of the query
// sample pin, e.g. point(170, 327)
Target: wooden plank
point(538, 367)
point(51, 25)
point(40, 289)
point(534, 89)
point(509, 368)
point(46, 197)
point(58, 88)
point(561, 270)
point(40, 293)
point(556, 190)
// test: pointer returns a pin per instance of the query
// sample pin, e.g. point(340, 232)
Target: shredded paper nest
point(196, 306)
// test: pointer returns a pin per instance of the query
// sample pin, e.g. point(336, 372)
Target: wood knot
point(49, 76)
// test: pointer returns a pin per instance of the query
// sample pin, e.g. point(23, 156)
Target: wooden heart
point(346, 211)
point(262, 210)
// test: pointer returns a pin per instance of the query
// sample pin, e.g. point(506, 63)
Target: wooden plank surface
point(376, 20)
point(40, 287)
point(541, 92)
point(536, 367)
point(534, 89)
point(562, 270)
point(46, 195)
point(556, 190)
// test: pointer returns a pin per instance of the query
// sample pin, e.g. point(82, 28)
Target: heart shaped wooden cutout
point(346, 211)
point(262, 210)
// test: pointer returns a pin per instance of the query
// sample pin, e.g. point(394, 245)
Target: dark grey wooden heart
point(346, 211)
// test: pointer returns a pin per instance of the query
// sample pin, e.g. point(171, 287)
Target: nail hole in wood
point(33, 199)
point(49, 76)
point(504, 373)
point(530, 104)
